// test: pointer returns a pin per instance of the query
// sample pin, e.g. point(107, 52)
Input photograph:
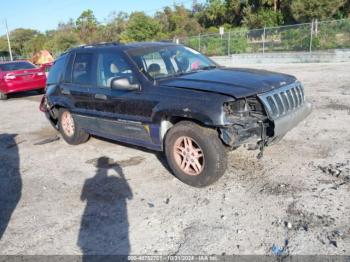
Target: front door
point(123, 115)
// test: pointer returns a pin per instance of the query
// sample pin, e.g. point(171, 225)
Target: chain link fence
point(7, 58)
point(315, 36)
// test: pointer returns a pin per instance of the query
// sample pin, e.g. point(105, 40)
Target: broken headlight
point(243, 107)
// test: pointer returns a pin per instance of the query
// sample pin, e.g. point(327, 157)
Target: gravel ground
point(61, 199)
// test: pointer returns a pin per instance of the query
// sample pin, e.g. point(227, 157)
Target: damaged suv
point(170, 98)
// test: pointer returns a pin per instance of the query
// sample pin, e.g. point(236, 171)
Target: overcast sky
point(46, 14)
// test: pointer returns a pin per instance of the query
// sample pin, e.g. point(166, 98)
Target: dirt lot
point(61, 199)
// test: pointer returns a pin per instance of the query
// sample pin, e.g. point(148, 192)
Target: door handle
point(65, 92)
point(100, 96)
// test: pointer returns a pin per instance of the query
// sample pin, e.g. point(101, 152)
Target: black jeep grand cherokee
point(170, 98)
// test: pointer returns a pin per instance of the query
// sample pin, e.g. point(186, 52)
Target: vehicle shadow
point(10, 179)
point(33, 95)
point(104, 228)
point(160, 155)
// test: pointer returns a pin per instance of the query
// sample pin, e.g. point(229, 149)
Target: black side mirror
point(123, 83)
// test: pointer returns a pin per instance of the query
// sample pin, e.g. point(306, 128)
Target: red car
point(46, 68)
point(19, 76)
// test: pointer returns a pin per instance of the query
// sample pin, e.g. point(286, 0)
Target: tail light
point(42, 106)
point(9, 77)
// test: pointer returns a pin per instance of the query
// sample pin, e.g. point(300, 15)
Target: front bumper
point(287, 122)
point(285, 107)
point(268, 131)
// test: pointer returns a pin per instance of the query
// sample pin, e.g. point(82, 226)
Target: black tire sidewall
point(41, 91)
point(213, 150)
point(3, 96)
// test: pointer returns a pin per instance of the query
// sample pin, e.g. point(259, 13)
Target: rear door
point(78, 81)
point(56, 74)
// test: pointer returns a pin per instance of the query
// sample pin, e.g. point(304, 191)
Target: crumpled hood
point(236, 82)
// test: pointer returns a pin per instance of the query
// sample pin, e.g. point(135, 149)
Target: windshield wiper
point(181, 73)
point(207, 67)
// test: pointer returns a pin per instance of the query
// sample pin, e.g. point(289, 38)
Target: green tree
point(60, 41)
point(234, 11)
point(19, 39)
point(306, 11)
point(63, 38)
point(112, 30)
point(35, 44)
point(262, 18)
point(86, 25)
point(177, 22)
point(213, 14)
point(140, 27)
point(3, 44)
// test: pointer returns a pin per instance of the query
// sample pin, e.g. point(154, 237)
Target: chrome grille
point(283, 100)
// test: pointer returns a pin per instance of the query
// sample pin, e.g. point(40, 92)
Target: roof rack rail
point(90, 46)
point(101, 44)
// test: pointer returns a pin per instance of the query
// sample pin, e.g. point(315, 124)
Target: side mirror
point(123, 83)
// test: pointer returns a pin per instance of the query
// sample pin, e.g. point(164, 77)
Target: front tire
point(70, 130)
point(3, 96)
point(195, 154)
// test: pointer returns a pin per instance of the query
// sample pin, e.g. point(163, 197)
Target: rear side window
point(16, 66)
point(56, 71)
point(82, 69)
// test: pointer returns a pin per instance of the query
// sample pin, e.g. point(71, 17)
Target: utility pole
point(311, 34)
point(8, 40)
point(264, 38)
point(229, 43)
point(199, 42)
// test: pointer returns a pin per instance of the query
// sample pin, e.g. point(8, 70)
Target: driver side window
point(111, 66)
point(155, 65)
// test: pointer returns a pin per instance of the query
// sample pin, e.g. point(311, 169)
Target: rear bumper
point(44, 107)
point(8, 87)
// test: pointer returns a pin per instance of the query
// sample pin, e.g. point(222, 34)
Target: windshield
point(16, 66)
point(159, 62)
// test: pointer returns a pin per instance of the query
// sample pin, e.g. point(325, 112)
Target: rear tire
point(3, 96)
point(69, 129)
point(195, 154)
point(41, 91)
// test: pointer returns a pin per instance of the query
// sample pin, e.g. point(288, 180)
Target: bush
point(239, 41)
point(214, 45)
point(296, 39)
point(333, 35)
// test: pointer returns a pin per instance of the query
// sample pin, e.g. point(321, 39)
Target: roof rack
point(101, 44)
point(91, 45)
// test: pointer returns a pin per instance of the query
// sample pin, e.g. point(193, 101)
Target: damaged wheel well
point(175, 119)
point(54, 111)
point(168, 122)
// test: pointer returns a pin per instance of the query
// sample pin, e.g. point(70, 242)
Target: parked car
point(46, 68)
point(171, 98)
point(19, 76)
